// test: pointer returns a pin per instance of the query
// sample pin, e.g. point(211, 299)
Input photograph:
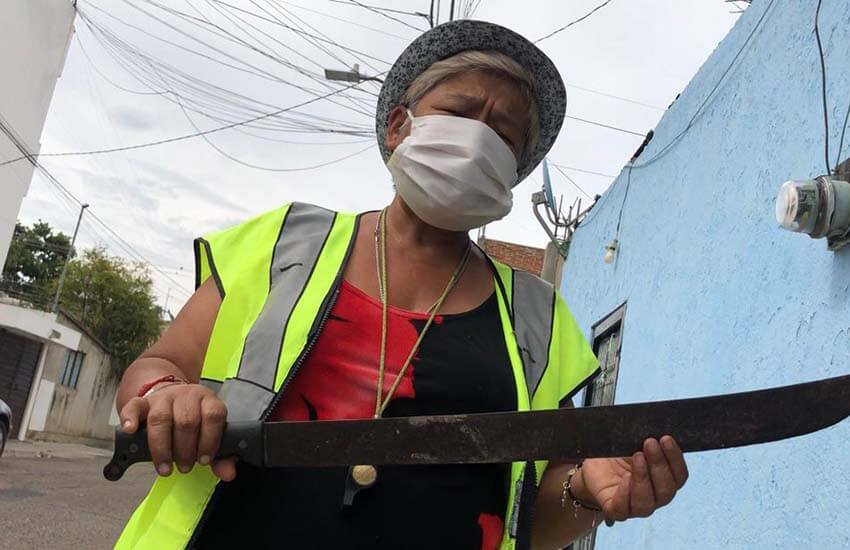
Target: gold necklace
point(365, 475)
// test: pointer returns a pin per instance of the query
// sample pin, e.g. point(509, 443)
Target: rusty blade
point(699, 424)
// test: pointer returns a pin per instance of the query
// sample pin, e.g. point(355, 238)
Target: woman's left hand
point(633, 487)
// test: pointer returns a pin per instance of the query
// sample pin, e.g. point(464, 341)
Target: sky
point(140, 71)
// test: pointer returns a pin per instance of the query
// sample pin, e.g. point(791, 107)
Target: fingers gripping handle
point(243, 440)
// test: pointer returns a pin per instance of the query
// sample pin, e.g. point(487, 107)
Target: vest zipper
point(525, 521)
point(311, 342)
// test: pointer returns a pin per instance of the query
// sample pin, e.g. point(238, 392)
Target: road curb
point(49, 450)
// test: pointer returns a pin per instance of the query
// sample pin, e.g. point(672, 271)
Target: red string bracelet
point(146, 388)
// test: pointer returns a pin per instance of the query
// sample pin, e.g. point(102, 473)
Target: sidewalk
point(47, 449)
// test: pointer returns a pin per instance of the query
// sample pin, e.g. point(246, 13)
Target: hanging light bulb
point(610, 251)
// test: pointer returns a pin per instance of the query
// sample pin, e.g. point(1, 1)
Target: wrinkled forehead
point(474, 89)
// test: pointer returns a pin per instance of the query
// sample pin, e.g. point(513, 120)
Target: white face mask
point(455, 173)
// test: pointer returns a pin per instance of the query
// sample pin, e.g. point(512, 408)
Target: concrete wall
point(34, 37)
point(37, 324)
point(84, 413)
point(719, 298)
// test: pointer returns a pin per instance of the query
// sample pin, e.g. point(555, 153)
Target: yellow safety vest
point(278, 275)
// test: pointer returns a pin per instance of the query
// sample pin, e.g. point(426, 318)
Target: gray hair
point(491, 62)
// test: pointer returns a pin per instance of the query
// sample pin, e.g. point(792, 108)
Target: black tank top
point(462, 367)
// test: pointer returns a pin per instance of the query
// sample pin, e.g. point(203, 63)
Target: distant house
point(56, 376)
point(526, 258)
point(706, 295)
point(83, 381)
point(25, 336)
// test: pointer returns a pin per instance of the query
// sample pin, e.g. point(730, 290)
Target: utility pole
point(167, 297)
point(452, 11)
point(55, 306)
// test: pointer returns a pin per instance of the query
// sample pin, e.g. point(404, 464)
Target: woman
point(304, 314)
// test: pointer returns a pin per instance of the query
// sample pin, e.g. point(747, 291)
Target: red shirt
point(339, 379)
point(462, 367)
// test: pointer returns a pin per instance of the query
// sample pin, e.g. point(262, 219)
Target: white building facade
point(34, 38)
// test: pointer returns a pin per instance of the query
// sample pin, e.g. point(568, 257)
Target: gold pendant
point(364, 475)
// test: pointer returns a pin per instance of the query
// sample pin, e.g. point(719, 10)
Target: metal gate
point(18, 360)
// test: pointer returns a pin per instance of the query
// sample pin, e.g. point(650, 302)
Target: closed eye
point(452, 112)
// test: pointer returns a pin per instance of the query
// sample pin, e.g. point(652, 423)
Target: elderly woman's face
point(497, 102)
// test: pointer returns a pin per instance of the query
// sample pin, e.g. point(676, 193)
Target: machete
point(697, 424)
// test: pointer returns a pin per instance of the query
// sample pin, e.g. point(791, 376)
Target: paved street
point(54, 496)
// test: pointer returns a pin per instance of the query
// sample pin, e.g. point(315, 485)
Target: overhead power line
point(94, 66)
point(39, 245)
point(608, 126)
point(216, 113)
point(127, 247)
point(295, 20)
point(823, 91)
point(571, 23)
point(269, 168)
point(711, 94)
point(160, 76)
point(572, 181)
point(290, 27)
point(672, 143)
point(204, 24)
point(475, 5)
point(342, 20)
point(612, 96)
point(843, 132)
point(178, 138)
point(381, 11)
point(582, 170)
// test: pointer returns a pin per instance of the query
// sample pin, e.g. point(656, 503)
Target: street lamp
point(349, 76)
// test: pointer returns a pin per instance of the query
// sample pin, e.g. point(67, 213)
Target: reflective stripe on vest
point(534, 302)
point(296, 252)
point(278, 275)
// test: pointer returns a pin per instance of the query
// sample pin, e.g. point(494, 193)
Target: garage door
point(18, 359)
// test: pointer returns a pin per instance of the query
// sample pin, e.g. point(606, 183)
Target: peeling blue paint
point(720, 299)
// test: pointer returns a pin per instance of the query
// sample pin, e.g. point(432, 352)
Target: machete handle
point(243, 440)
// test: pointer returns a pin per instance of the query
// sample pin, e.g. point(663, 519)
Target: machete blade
point(699, 424)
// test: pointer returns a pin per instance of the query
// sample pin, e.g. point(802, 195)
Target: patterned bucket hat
point(454, 37)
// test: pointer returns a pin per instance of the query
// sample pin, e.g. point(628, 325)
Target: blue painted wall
point(719, 298)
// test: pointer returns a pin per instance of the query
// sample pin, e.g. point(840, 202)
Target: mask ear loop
point(410, 118)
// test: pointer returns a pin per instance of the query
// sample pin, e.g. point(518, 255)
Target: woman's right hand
point(184, 424)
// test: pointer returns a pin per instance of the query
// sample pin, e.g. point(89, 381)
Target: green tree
point(111, 297)
point(35, 259)
point(114, 299)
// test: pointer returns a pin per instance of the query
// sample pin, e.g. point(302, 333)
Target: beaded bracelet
point(567, 494)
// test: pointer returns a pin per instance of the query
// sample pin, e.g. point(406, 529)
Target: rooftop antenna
point(558, 227)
